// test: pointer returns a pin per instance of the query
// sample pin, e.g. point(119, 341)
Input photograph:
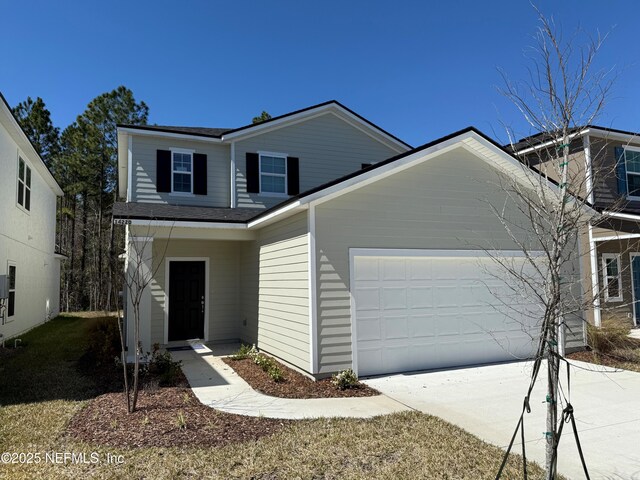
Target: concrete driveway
point(487, 402)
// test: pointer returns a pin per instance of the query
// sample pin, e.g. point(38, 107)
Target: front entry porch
point(195, 291)
point(617, 255)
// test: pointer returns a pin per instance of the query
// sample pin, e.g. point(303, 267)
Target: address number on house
point(121, 221)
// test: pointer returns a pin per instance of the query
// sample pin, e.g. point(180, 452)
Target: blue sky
point(419, 69)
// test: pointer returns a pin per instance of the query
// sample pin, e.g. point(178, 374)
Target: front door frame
point(167, 266)
point(633, 288)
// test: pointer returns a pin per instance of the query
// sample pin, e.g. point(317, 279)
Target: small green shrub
point(610, 336)
point(275, 373)
point(345, 379)
point(162, 366)
point(269, 365)
point(245, 351)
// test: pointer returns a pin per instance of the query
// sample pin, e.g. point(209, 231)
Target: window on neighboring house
point(11, 307)
point(612, 277)
point(181, 172)
point(632, 164)
point(273, 174)
point(24, 184)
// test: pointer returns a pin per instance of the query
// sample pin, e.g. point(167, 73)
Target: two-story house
point(28, 260)
point(326, 241)
point(604, 168)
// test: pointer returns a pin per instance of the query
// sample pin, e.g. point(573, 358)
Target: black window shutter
point(163, 171)
point(293, 176)
point(253, 173)
point(621, 171)
point(199, 173)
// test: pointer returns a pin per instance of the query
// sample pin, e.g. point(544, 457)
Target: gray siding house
point(605, 168)
point(324, 240)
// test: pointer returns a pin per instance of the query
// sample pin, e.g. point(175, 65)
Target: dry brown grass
point(611, 346)
point(406, 445)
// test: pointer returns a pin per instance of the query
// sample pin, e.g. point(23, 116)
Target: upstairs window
point(181, 172)
point(11, 307)
point(273, 174)
point(24, 184)
point(612, 277)
point(628, 171)
point(632, 163)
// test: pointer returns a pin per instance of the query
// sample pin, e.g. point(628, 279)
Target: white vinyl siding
point(440, 204)
point(144, 172)
point(327, 148)
point(275, 291)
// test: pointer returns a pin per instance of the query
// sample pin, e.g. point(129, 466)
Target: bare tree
point(562, 95)
point(140, 270)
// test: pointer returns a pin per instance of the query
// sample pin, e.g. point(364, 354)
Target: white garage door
point(434, 311)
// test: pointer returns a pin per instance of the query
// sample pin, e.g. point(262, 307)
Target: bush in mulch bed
point(293, 384)
point(165, 417)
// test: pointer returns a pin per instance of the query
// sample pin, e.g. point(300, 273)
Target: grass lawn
point(41, 389)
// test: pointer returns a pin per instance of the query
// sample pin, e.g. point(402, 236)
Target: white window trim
point(18, 181)
point(626, 170)
point(12, 317)
point(605, 277)
point(285, 175)
point(187, 152)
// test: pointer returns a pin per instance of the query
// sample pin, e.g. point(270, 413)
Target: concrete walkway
point(216, 385)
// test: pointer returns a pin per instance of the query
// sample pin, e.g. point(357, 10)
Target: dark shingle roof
point(219, 132)
point(157, 211)
point(201, 131)
point(542, 137)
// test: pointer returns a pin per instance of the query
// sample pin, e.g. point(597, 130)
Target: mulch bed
point(156, 422)
point(605, 360)
point(294, 385)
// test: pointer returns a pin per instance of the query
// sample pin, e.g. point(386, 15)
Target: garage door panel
point(395, 328)
point(394, 297)
point(447, 324)
point(420, 297)
point(421, 269)
point(445, 296)
point(369, 329)
point(421, 326)
point(367, 269)
point(393, 269)
point(368, 298)
point(415, 313)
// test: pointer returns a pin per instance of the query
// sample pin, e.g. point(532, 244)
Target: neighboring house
point(28, 198)
point(605, 166)
point(324, 240)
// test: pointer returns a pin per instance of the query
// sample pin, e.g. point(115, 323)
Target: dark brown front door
point(186, 300)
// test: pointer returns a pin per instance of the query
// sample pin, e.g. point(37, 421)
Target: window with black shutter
point(272, 174)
